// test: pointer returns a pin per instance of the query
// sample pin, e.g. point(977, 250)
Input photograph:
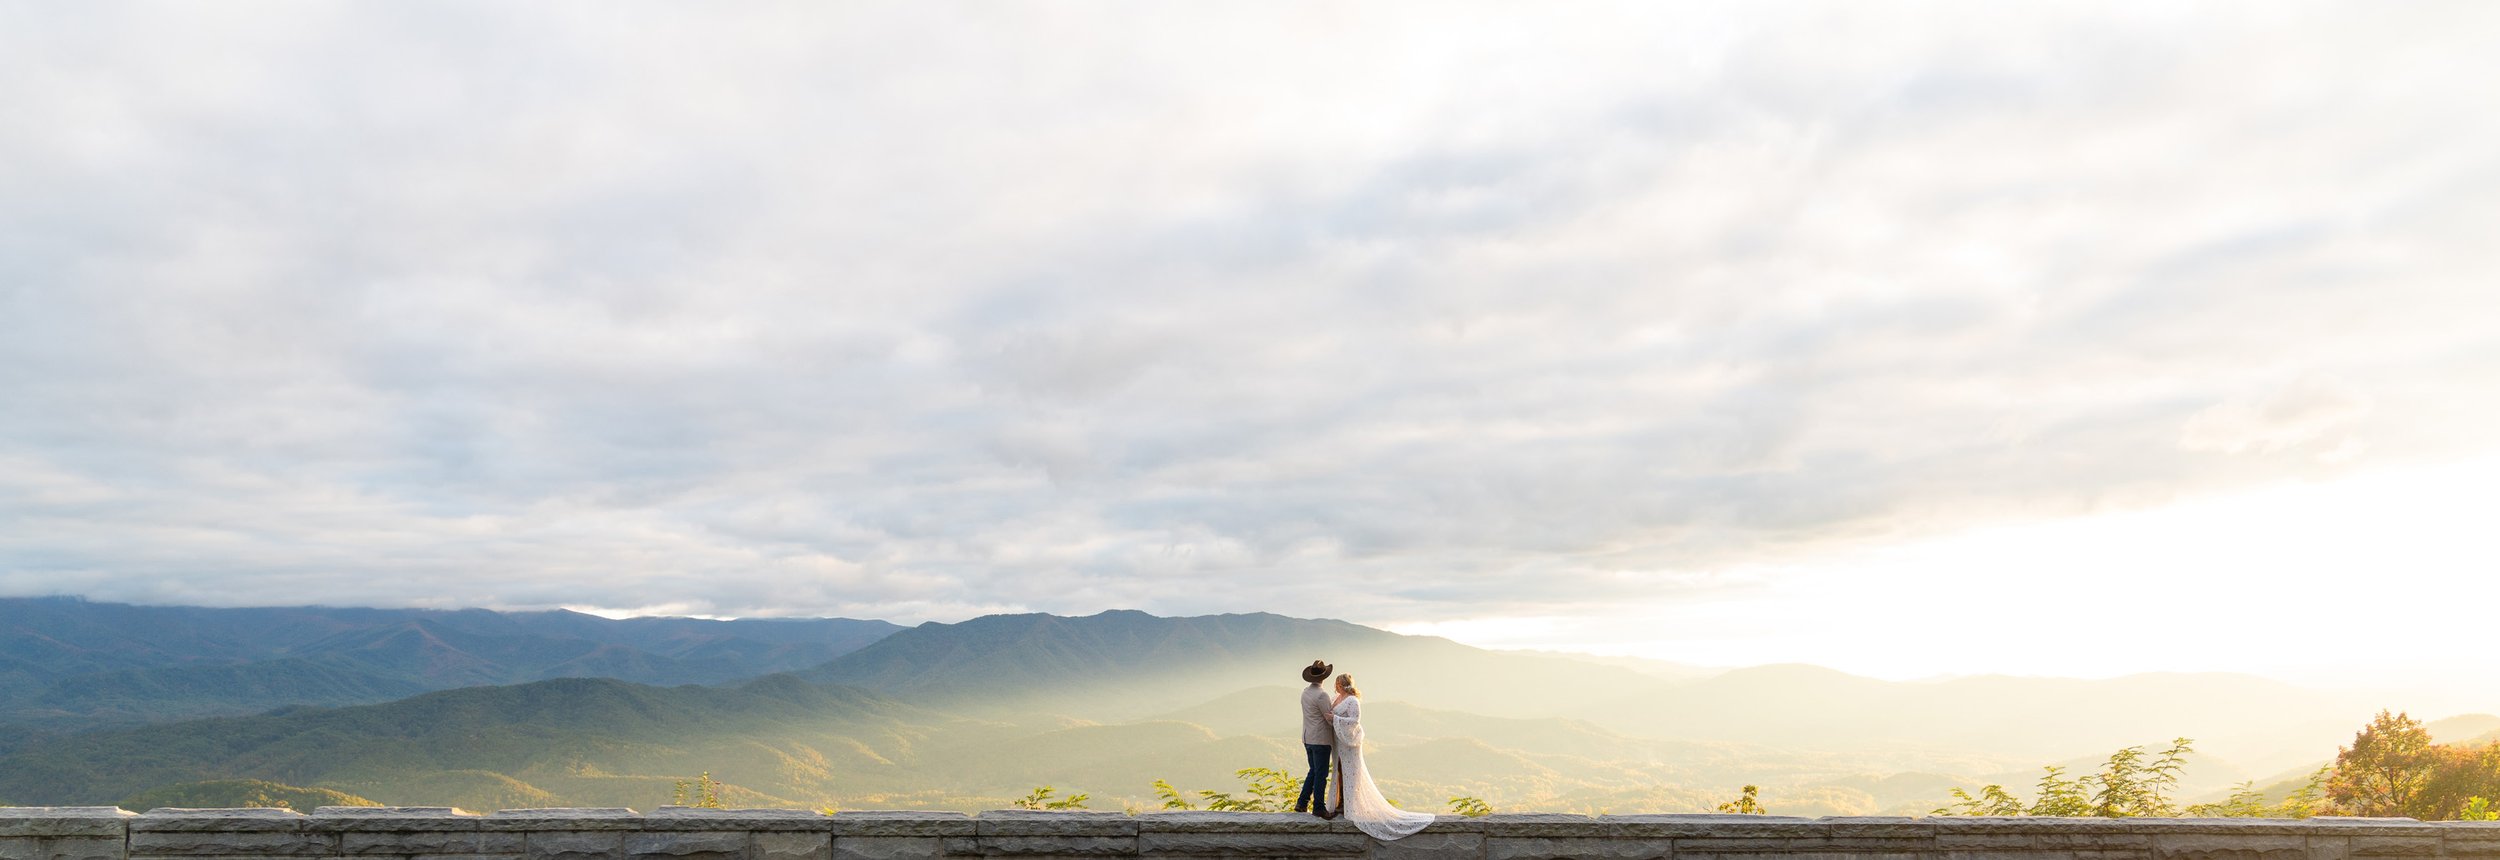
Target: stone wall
point(355, 833)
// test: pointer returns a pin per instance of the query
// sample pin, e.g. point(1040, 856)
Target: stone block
point(568, 820)
point(387, 820)
point(1498, 847)
point(1701, 825)
point(2009, 853)
point(411, 842)
point(572, 844)
point(1870, 826)
point(749, 820)
point(1236, 822)
point(1795, 855)
point(2475, 840)
point(200, 843)
point(1431, 846)
point(62, 848)
point(793, 846)
point(1014, 822)
point(1057, 846)
point(1863, 844)
point(902, 824)
point(2424, 845)
point(2230, 846)
point(2042, 840)
point(1244, 843)
point(696, 845)
point(48, 821)
point(177, 820)
point(1715, 845)
point(417, 812)
point(1550, 825)
point(888, 847)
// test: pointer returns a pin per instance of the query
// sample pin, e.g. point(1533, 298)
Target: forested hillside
point(73, 665)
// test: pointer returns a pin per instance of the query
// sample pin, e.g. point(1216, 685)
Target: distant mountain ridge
point(784, 741)
point(1125, 664)
point(962, 714)
point(74, 664)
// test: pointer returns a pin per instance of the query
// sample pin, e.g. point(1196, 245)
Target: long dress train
point(1358, 798)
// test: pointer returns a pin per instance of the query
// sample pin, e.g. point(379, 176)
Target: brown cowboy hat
point(1318, 671)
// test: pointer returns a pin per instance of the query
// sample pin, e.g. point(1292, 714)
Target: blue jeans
point(1314, 787)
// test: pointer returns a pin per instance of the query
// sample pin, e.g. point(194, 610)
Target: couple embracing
point(1333, 725)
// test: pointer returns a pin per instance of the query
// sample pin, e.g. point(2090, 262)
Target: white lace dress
point(1357, 797)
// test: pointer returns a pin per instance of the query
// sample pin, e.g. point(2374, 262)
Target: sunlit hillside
point(976, 715)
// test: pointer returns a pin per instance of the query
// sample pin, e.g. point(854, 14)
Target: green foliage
point(1745, 804)
point(1171, 797)
point(2129, 785)
point(1470, 807)
point(2060, 796)
point(241, 794)
point(2478, 809)
point(1042, 798)
point(701, 792)
point(1992, 800)
point(1265, 789)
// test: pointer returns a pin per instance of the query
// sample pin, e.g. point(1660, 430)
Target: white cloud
point(921, 310)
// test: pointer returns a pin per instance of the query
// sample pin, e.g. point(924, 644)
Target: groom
point(1319, 738)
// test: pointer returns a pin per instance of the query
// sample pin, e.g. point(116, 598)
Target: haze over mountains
point(72, 664)
point(863, 714)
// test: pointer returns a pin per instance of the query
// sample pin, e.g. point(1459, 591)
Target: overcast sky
point(1576, 325)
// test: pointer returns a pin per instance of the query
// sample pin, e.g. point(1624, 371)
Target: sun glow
point(2304, 581)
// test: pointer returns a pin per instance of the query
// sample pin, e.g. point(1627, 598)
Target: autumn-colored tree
point(2458, 775)
point(1747, 803)
point(701, 792)
point(2387, 771)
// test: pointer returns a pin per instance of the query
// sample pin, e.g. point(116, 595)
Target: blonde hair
point(1345, 681)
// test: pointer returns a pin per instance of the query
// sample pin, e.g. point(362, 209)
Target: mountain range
point(972, 714)
point(68, 664)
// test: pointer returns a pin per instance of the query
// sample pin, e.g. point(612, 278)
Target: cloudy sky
point(1907, 338)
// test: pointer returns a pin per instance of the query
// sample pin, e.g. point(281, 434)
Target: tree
point(1470, 807)
point(2386, 771)
point(2458, 775)
point(701, 792)
point(1746, 803)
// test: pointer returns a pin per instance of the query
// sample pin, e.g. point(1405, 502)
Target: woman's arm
point(1349, 720)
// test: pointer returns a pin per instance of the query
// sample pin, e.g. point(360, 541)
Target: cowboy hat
point(1318, 671)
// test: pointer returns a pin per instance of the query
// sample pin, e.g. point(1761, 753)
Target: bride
point(1357, 798)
